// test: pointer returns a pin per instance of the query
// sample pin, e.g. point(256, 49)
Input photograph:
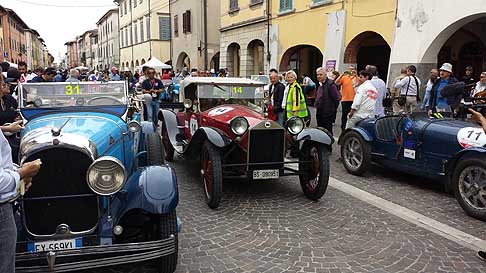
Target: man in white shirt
point(380, 86)
point(364, 101)
point(9, 186)
point(409, 87)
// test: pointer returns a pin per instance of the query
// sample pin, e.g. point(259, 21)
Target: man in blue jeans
point(9, 187)
point(152, 87)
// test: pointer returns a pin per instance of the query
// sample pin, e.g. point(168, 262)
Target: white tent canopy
point(156, 64)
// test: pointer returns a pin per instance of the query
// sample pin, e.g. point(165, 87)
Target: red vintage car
point(225, 124)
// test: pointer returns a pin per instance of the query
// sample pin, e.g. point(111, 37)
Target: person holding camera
point(347, 80)
point(409, 90)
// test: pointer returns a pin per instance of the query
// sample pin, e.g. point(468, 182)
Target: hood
point(225, 113)
point(97, 130)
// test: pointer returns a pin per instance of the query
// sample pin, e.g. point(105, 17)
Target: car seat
point(386, 128)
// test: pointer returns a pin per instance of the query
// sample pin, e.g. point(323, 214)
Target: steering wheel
point(104, 100)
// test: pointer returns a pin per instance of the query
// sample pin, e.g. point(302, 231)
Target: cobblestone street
point(269, 226)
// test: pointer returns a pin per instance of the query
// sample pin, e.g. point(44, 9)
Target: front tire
point(355, 153)
point(167, 228)
point(314, 176)
point(169, 149)
point(469, 186)
point(211, 174)
point(155, 150)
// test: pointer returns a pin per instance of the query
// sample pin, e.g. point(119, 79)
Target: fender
point(147, 127)
point(469, 152)
point(170, 120)
point(315, 134)
point(362, 132)
point(152, 189)
point(216, 137)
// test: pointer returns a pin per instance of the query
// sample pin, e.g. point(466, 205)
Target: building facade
point(195, 34)
point(334, 34)
point(245, 26)
point(108, 49)
point(14, 41)
point(71, 54)
point(257, 35)
point(442, 31)
point(145, 31)
point(35, 49)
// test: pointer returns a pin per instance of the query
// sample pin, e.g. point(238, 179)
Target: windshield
point(261, 78)
point(66, 94)
point(213, 95)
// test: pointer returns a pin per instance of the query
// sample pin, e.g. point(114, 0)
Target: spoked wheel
point(211, 174)
point(314, 169)
point(469, 182)
point(169, 149)
point(355, 153)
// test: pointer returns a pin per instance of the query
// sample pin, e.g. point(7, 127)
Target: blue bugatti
point(447, 150)
point(104, 195)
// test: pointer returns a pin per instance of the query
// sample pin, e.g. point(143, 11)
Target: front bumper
point(94, 256)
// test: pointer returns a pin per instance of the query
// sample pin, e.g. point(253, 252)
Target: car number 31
point(265, 174)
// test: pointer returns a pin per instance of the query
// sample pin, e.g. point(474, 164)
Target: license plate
point(55, 245)
point(265, 174)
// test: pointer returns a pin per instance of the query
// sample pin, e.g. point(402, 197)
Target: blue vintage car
point(447, 150)
point(104, 195)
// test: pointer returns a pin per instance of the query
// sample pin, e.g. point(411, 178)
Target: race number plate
point(265, 174)
point(55, 245)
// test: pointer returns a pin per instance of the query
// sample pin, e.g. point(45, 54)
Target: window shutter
point(164, 28)
point(233, 5)
point(184, 22)
point(188, 20)
point(176, 25)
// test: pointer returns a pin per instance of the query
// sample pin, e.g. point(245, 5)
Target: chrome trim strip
point(97, 263)
point(93, 250)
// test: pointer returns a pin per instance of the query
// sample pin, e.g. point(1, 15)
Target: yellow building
point(313, 33)
point(144, 31)
point(244, 36)
point(305, 34)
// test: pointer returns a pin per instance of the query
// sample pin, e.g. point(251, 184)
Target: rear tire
point(355, 153)
point(314, 176)
point(168, 227)
point(211, 174)
point(155, 150)
point(469, 186)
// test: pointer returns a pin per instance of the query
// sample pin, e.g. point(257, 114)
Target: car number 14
point(265, 174)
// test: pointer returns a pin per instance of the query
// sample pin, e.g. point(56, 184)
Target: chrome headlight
point(187, 103)
point(134, 126)
point(295, 125)
point(106, 175)
point(239, 125)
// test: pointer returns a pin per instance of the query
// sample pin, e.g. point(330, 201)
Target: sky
point(57, 25)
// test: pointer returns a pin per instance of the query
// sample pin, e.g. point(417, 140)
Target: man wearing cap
point(409, 87)
point(13, 78)
point(114, 75)
point(437, 102)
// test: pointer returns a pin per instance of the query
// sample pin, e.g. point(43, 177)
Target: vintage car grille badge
point(268, 124)
point(62, 229)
